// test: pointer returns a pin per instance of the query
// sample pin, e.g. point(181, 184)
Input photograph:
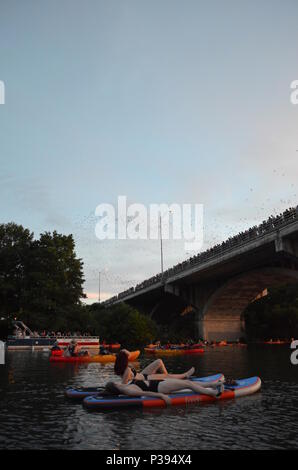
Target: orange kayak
point(98, 358)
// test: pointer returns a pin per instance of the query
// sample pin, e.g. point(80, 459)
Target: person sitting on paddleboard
point(161, 388)
point(154, 371)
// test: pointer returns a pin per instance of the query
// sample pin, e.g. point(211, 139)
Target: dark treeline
point(274, 316)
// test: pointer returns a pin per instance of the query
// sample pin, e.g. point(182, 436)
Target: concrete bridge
point(219, 283)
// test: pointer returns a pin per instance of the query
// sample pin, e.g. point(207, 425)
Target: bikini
point(151, 387)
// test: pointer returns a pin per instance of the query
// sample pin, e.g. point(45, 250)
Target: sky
point(161, 101)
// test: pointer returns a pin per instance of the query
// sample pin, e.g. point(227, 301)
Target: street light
point(161, 252)
point(160, 235)
point(99, 272)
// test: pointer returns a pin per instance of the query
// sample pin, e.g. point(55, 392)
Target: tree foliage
point(15, 250)
point(41, 281)
point(124, 324)
point(275, 315)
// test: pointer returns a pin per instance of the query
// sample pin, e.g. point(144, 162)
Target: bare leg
point(154, 367)
point(158, 367)
point(185, 375)
point(210, 384)
point(174, 385)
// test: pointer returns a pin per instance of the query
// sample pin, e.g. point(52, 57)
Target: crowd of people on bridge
point(272, 223)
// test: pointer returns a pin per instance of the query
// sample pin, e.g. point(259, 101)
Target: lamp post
point(160, 235)
point(99, 272)
point(161, 251)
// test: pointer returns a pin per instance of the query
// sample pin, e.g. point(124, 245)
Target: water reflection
point(35, 414)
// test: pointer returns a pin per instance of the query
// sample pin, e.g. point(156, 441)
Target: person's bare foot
point(190, 372)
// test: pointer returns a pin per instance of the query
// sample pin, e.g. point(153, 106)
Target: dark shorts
point(152, 387)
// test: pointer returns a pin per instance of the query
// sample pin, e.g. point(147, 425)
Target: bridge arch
point(222, 313)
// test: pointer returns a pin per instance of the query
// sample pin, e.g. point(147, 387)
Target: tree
point(41, 281)
point(124, 324)
point(54, 280)
point(275, 315)
point(15, 248)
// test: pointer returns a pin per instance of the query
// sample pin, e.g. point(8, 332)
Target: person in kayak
point(71, 350)
point(103, 351)
point(56, 347)
point(154, 371)
point(162, 388)
point(74, 350)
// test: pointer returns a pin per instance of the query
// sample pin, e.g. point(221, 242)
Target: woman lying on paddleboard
point(155, 380)
point(161, 388)
point(154, 371)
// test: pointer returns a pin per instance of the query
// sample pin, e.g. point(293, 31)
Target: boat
point(25, 339)
point(243, 387)
point(173, 352)
point(103, 358)
point(83, 392)
point(89, 342)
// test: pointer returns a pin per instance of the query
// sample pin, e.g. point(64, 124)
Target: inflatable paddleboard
point(243, 388)
point(80, 393)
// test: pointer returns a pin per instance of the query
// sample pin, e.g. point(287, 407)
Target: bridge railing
point(272, 224)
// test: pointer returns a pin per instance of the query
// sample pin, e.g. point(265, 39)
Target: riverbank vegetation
point(275, 315)
point(124, 324)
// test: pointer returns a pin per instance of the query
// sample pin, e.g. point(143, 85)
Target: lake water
point(35, 415)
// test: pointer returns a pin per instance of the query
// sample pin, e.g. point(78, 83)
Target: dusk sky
point(162, 101)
